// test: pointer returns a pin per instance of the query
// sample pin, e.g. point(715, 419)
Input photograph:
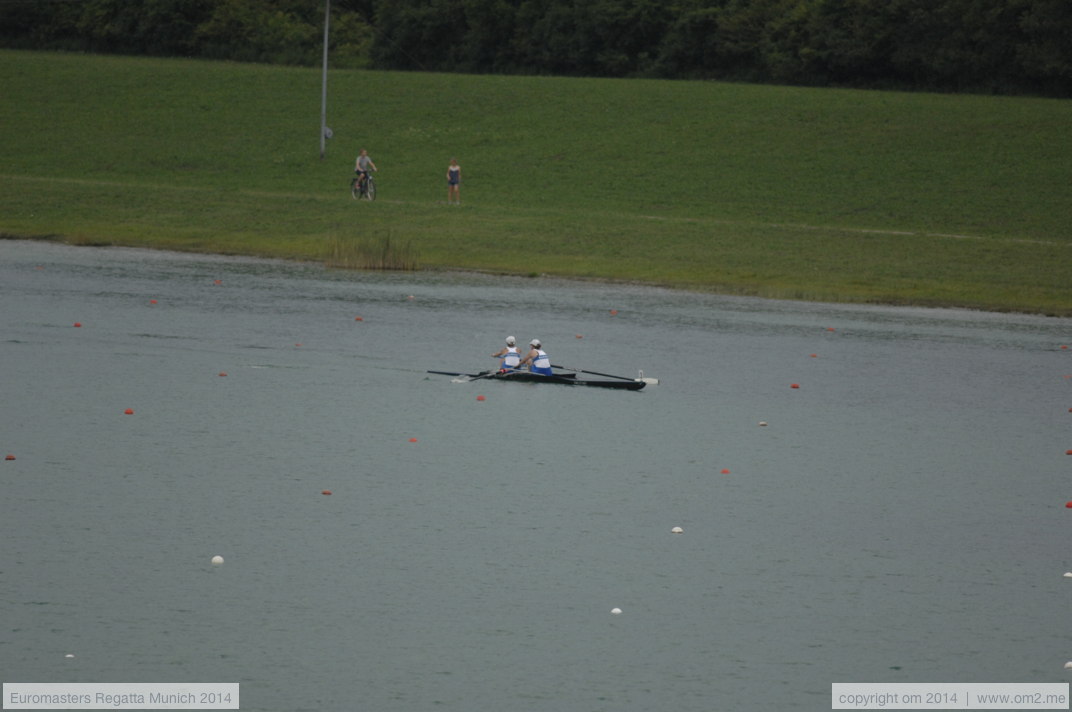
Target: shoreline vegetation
point(780, 192)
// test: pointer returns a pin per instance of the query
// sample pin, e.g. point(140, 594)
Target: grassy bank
point(781, 192)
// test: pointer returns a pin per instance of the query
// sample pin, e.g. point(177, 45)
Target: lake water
point(900, 517)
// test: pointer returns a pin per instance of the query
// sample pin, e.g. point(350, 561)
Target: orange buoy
point(481, 398)
point(10, 457)
point(218, 281)
point(579, 336)
point(725, 471)
point(413, 440)
point(128, 411)
point(830, 328)
point(1063, 346)
point(1068, 505)
point(78, 323)
point(613, 312)
point(358, 318)
point(152, 301)
point(815, 355)
point(794, 385)
point(1068, 452)
point(222, 374)
point(325, 492)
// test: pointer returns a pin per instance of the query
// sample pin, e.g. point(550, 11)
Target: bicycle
point(363, 188)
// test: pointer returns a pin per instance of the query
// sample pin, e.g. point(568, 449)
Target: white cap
point(535, 342)
point(510, 341)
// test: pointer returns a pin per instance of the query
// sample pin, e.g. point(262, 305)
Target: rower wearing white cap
point(538, 359)
point(510, 355)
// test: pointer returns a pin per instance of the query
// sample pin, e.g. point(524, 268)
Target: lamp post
point(325, 132)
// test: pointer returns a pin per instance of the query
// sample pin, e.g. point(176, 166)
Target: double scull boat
point(565, 379)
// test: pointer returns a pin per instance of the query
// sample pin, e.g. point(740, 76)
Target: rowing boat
point(568, 379)
point(565, 379)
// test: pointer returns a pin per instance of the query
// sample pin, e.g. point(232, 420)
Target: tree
point(1043, 53)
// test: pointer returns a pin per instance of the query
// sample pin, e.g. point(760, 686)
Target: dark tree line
point(959, 45)
point(1006, 46)
point(268, 31)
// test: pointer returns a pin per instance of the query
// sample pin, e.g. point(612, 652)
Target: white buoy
point(763, 423)
point(69, 655)
point(616, 611)
point(1068, 574)
point(676, 530)
point(1068, 665)
point(217, 560)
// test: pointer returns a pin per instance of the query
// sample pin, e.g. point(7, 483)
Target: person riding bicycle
point(361, 167)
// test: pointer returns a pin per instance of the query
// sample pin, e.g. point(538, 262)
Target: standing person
point(537, 358)
point(454, 182)
point(510, 355)
point(362, 165)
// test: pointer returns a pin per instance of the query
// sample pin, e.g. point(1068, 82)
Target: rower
point(510, 355)
point(537, 358)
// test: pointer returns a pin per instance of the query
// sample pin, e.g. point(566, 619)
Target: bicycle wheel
point(355, 189)
point(370, 189)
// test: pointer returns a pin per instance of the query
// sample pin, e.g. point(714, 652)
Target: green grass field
point(772, 191)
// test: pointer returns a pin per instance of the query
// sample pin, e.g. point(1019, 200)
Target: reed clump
point(360, 252)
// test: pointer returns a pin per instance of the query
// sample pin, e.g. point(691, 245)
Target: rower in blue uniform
point(537, 358)
point(510, 355)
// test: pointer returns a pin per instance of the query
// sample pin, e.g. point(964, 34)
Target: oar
point(652, 381)
point(458, 376)
point(483, 375)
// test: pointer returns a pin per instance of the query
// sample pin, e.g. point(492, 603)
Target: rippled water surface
point(900, 517)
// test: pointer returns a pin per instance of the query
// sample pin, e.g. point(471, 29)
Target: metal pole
point(324, 85)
